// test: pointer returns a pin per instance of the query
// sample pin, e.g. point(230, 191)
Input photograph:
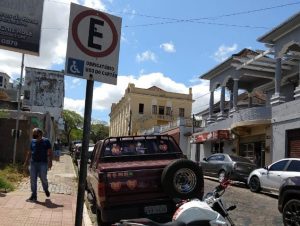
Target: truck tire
point(183, 179)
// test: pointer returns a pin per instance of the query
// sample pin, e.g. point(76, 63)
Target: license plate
point(155, 209)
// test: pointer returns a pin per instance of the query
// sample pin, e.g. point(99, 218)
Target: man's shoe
point(32, 199)
point(47, 193)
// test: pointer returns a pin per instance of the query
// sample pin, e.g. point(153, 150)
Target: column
point(277, 98)
point(250, 99)
point(211, 108)
point(297, 90)
point(235, 95)
point(221, 115)
point(231, 99)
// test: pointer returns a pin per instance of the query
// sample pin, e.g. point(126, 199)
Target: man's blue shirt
point(39, 150)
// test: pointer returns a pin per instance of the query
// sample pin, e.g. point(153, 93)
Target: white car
point(271, 177)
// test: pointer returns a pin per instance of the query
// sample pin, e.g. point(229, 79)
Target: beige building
point(141, 109)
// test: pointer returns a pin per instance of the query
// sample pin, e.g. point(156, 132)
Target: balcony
point(252, 116)
point(243, 117)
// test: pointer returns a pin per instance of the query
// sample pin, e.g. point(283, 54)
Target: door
point(208, 164)
point(273, 177)
point(293, 137)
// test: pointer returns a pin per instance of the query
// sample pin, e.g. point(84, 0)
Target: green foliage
point(72, 121)
point(99, 132)
point(5, 185)
point(76, 134)
point(10, 175)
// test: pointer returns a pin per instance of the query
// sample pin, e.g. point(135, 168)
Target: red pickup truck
point(140, 176)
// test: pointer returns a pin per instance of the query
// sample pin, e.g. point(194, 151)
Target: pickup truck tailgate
point(133, 180)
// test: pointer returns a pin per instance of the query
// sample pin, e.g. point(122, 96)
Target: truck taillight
point(101, 189)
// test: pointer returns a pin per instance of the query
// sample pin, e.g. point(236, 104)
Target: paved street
point(252, 208)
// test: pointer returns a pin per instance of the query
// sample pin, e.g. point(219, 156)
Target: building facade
point(141, 109)
point(44, 91)
point(263, 132)
point(4, 80)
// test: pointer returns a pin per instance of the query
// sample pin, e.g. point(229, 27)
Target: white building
point(44, 91)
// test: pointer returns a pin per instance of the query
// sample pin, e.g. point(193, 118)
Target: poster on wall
point(20, 25)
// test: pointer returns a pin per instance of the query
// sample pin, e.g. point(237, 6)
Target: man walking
point(40, 157)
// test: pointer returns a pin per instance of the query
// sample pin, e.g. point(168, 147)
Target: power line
point(195, 20)
point(201, 96)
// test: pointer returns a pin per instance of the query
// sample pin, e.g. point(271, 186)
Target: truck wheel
point(183, 179)
point(99, 219)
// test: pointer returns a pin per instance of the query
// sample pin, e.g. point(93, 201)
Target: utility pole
point(18, 111)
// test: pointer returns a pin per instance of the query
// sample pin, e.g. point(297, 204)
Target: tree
point(72, 121)
point(98, 132)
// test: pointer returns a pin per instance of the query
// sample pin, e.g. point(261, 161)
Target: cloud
point(168, 47)
point(74, 105)
point(146, 56)
point(104, 94)
point(224, 52)
point(95, 4)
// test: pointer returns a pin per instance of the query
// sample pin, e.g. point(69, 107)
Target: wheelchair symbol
point(75, 66)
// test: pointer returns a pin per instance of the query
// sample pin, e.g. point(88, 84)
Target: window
point(141, 108)
point(181, 112)
point(161, 110)
point(1, 81)
point(213, 158)
point(278, 166)
point(154, 109)
point(168, 111)
point(294, 166)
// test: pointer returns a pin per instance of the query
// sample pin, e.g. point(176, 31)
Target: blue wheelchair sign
point(75, 67)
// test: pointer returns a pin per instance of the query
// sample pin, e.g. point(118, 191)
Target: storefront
point(207, 143)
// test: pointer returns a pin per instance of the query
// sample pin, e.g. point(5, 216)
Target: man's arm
point(28, 156)
point(50, 154)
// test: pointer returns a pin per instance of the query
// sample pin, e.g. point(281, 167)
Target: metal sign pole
point(84, 150)
point(16, 134)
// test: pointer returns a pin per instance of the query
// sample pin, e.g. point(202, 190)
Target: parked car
point(73, 145)
point(271, 177)
point(77, 152)
point(140, 176)
point(219, 165)
point(289, 201)
point(88, 156)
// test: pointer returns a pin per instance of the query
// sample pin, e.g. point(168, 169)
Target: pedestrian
point(57, 149)
point(40, 158)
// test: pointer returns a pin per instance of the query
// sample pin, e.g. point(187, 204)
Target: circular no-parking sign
point(75, 33)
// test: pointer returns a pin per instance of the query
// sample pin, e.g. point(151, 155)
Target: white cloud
point(95, 4)
point(146, 56)
point(168, 47)
point(74, 105)
point(224, 52)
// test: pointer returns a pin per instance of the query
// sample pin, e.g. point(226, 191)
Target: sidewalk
point(58, 209)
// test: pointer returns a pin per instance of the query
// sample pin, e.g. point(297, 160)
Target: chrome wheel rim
point(184, 181)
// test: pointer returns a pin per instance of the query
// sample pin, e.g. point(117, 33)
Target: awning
point(215, 135)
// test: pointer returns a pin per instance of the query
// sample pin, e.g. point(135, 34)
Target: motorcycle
point(210, 211)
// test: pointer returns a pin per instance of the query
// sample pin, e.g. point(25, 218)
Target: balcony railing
point(252, 114)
